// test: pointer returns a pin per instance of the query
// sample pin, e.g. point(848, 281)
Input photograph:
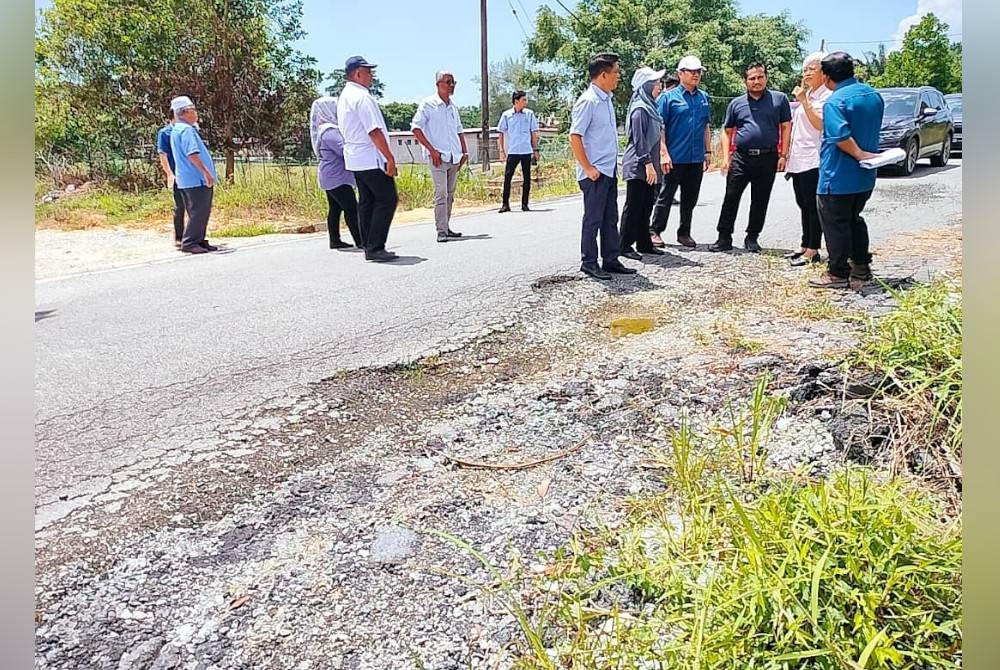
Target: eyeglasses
point(450, 82)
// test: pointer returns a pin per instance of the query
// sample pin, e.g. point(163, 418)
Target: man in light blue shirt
point(194, 174)
point(518, 140)
point(593, 137)
point(438, 128)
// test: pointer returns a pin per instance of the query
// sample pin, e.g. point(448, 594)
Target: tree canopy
point(659, 32)
point(927, 58)
point(107, 69)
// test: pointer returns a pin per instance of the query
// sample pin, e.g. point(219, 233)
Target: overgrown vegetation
point(918, 349)
point(736, 565)
point(272, 194)
point(733, 566)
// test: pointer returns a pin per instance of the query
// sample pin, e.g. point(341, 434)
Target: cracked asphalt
point(136, 366)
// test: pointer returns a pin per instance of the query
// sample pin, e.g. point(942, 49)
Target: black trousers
point(198, 203)
point(600, 217)
point(376, 207)
point(178, 214)
point(846, 232)
point(639, 196)
point(342, 199)
point(804, 185)
point(508, 175)
point(757, 171)
point(686, 176)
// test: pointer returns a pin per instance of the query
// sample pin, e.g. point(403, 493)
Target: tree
point(470, 116)
point(658, 33)
point(398, 114)
point(926, 58)
point(871, 64)
point(339, 77)
point(546, 91)
point(120, 63)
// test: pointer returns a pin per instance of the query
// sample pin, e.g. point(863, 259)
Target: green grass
point(732, 566)
point(918, 347)
point(273, 193)
point(247, 230)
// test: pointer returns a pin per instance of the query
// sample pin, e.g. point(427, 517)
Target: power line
point(878, 41)
point(518, 19)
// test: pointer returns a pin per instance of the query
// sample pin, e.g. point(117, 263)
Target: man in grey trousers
point(195, 175)
point(437, 127)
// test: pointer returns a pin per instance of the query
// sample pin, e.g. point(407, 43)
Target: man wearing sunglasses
point(438, 128)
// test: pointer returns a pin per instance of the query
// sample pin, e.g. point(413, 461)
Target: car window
point(955, 104)
point(927, 99)
point(899, 104)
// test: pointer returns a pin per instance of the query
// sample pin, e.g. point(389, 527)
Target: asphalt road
point(135, 363)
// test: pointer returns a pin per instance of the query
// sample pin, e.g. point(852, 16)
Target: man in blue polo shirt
point(852, 119)
point(166, 155)
point(518, 140)
point(686, 112)
point(194, 175)
point(760, 122)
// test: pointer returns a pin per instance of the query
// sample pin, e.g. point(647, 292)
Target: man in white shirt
point(518, 140)
point(438, 128)
point(367, 155)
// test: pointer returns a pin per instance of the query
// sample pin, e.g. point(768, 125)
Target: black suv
point(918, 121)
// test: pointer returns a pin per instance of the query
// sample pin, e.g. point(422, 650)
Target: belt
point(756, 152)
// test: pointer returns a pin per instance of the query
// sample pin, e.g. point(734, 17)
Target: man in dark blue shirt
point(761, 121)
point(686, 111)
point(852, 118)
point(166, 155)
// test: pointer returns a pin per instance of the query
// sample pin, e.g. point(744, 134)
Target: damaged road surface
point(233, 475)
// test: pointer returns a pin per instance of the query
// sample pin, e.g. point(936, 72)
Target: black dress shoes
point(452, 233)
point(721, 246)
point(380, 256)
point(207, 247)
point(505, 208)
point(652, 251)
point(525, 208)
point(634, 255)
point(339, 244)
point(750, 244)
point(619, 269)
point(196, 249)
point(594, 270)
point(686, 241)
point(806, 260)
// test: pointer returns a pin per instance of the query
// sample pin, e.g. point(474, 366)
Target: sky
point(410, 41)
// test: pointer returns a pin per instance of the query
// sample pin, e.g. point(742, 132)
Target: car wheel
point(912, 152)
point(942, 158)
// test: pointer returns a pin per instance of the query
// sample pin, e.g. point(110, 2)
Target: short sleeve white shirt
point(357, 115)
point(441, 124)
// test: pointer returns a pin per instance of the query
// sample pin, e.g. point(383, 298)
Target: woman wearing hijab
point(328, 145)
point(641, 163)
point(803, 157)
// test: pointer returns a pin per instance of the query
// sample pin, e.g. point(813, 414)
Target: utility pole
point(484, 145)
point(822, 45)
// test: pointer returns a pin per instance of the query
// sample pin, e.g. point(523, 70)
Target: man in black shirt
point(760, 122)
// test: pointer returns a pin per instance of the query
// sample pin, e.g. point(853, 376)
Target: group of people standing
point(668, 148)
point(350, 139)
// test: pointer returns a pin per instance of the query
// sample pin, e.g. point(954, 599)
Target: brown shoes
point(828, 280)
point(656, 240)
point(686, 241)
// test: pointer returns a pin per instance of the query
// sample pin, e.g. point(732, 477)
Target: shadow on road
point(405, 260)
point(43, 314)
point(668, 260)
point(463, 238)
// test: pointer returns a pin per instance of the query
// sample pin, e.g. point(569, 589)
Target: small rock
point(759, 362)
point(140, 657)
point(393, 545)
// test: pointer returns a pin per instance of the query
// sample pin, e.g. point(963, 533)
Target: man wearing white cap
point(195, 174)
point(686, 112)
point(641, 163)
